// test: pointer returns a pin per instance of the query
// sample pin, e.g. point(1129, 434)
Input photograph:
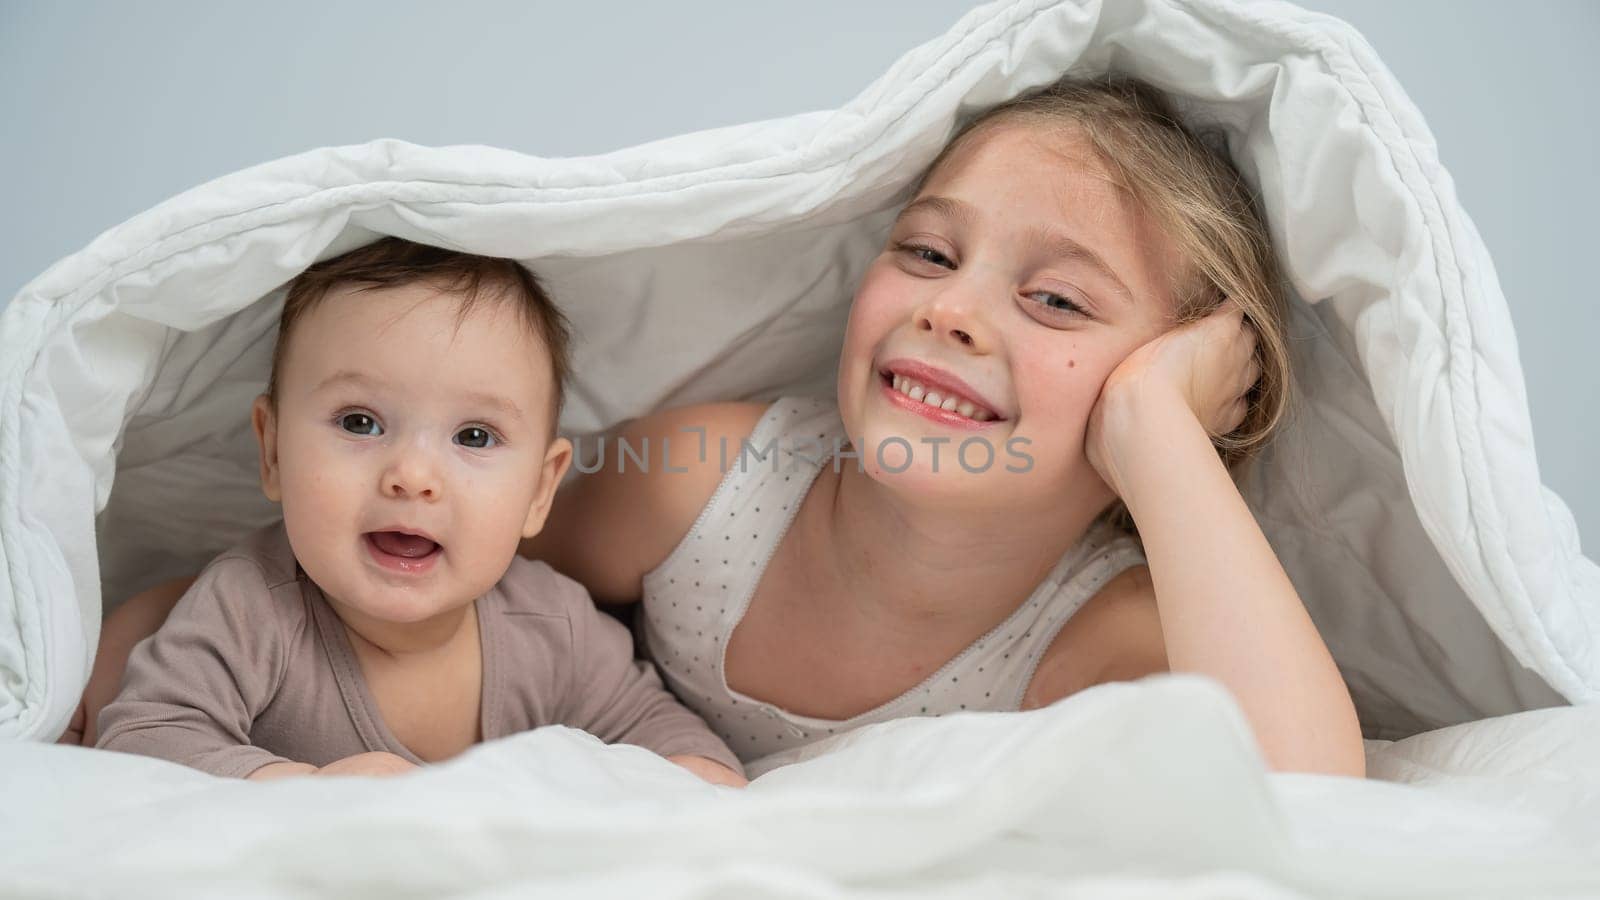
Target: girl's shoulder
point(681, 447)
point(1115, 636)
point(684, 424)
point(642, 490)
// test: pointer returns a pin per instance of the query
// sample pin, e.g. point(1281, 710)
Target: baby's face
point(1015, 282)
point(410, 454)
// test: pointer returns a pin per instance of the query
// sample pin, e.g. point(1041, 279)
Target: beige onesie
point(254, 667)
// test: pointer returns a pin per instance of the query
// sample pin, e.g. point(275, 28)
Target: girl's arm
point(608, 528)
point(128, 624)
point(1227, 608)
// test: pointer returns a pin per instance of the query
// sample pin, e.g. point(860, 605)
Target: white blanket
point(1404, 499)
point(1149, 789)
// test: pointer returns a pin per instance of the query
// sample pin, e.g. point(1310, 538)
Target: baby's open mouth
point(402, 544)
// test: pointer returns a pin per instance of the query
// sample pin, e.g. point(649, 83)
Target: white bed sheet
point(1129, 790)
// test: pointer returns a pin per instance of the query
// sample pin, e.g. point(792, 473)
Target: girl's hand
point(74, 733)
point(1203, 369)
point(710, 770)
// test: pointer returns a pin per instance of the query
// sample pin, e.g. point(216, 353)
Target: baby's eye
point(1052, 300)
point(360, 423)
point(475, 437)
point(928, 254)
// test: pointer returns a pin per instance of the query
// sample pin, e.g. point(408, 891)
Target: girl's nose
point(945, 321)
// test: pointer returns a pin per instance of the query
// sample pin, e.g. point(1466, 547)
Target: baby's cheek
point(495, 521)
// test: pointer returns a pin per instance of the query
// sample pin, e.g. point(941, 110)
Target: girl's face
point(1010, 288)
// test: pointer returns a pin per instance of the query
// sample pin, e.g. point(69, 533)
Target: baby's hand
point(375, 763)
point(710, 770)
point(1205, 368)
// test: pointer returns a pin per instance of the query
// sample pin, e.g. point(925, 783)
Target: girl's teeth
point(933, 398)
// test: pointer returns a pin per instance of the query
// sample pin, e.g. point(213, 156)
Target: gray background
point(108, 108)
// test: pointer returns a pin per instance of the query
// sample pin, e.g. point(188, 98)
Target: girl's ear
point(265, 421)
point(556, 459)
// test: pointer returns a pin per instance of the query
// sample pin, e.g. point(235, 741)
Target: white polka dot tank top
point(693, 601)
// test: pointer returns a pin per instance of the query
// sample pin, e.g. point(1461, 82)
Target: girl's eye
point(1054, 301)
point(475, 437)
point(929, 255)
point(360, 423)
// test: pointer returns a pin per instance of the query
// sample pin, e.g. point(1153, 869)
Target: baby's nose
point(412, 476)
point(398, 489)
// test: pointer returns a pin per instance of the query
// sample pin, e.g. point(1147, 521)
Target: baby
point(408, 431)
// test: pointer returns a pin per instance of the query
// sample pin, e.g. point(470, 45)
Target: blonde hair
point(1194, 193)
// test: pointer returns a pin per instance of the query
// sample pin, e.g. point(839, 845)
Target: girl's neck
point(928, 564)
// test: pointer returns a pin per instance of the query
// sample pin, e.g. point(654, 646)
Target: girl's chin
point(943, 476)
point(938, 453)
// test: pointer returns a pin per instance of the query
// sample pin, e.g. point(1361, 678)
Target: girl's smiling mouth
point(935, 395)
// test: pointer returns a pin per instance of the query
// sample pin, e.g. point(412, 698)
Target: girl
point(1074, 322)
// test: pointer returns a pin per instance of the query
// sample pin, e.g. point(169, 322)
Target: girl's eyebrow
point(942, 206)
point(1061, 246)
point(1050, 242)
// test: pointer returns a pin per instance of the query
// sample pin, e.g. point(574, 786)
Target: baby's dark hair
point(394, 262)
